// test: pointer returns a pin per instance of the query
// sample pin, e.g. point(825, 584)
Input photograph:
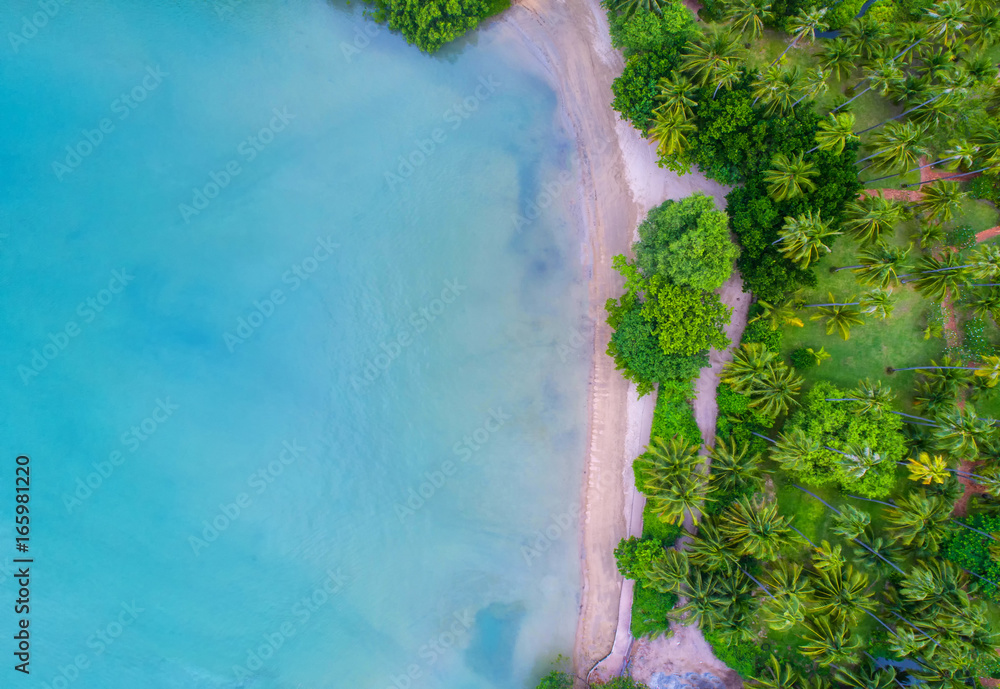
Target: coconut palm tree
point(869, 218)
point(899, 146)
point(941, 200)
point(779, 315)
point(937, 277)
point(750, 363)
point(749, 16)
point(734, 467)
point(826, 557)
point(959, 153)
point(868, 677)
point(841, 594)
point(710, 550)
point(789, 177)
point(927, 468)
point(673, 498)
point(983, 28)
point(704, 59)
point(765, 84)
point(726, 75)
point(774, 392)
point(814, 84)
point(801, 238)
point(872, 397)
point(882, 76)
point(961, 433)
point(794, 450)
point(880, 265)
point(828, 641)
point(668, 572)
point(865, 36)
point(630, 7)
point(985, 304)
point(877, 302)
point(834, 133)
point(805, 25)
point(675, 95)
point(839, 318)
point(947, 20)
point(755, 528)
point(778, 676)
point(851, 522)
point(908, 36)
point(781, 97)
point(671, 129)
point(920, 520)
point(839, 57)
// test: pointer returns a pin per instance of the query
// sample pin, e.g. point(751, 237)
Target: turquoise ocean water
point(305, 406)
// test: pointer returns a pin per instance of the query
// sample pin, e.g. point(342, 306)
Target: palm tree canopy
point(790, 177)
point(835, 132)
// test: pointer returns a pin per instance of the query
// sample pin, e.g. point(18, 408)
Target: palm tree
point(668, 572)
point(920, 521)
point(983, 28)
point(877, 302)
point(907, 37)
point(749, 16)
point(928, 469)
point(868, 677)
point(775, 391)
point(778, 315)
point(630, 7)
point(801, 238)
point(947, 20)
point(879, 265)
point(765, 84)
point(670, 130)
point(706, 58)
point(781, 98)
point(675, 95)
point(829, 641)
point(872, 397)
point(839, 317)
point(899, 146)
point(750, 363)
point(865, 36)
point(728, 75)
point(814, 84)
point(962, 432)
point(782, 676)
point(941, 200)
point(936, 277)
point(841, 595)
point(870, 217)
point(709, 550)
point(805, 25)
point(960, 153)
point(851, 522)
point(985, 304)
point(794, 450)
point(834, 133)
point(789, 177)
point(826, 557)
point(734, 468)
point(839, 57)
point(882, 76)
point(674, 498)
point(756, 528)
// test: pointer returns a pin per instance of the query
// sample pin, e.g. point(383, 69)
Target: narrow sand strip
point(620, 182)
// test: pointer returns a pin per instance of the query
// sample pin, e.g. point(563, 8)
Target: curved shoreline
point(619, 182)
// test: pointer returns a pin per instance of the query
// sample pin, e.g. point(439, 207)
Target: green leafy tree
point(429, 24)
point(687, 242)
point(635, 556)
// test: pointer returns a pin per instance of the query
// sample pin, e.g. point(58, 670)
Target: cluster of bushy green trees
point(429, 24)
point(669, 316)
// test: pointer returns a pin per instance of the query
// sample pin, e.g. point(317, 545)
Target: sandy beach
point(620, 182)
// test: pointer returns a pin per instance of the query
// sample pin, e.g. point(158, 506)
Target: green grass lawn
point(872, 347)
point(979, 215)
